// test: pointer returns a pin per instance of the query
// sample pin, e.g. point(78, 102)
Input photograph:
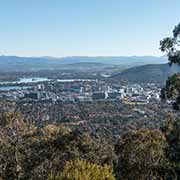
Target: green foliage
point(82, 170)
point(173, 86)
point(141, 155)
point(172, 90)
point(27, 152)
point(171, 45)
point(7, 162)
point(32, 153)
point(172, 132)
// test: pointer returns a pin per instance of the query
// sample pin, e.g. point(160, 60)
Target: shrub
point(83, 170)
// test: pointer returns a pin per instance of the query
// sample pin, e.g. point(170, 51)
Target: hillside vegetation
point(152, 73)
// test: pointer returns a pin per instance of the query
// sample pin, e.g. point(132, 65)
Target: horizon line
point(80, 56)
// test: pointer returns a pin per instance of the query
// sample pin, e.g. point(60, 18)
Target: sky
point(86, 27)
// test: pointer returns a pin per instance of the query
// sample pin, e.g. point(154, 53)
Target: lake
point(38, 80)
point(8, 88)
point(34, 80)
point(26, 80)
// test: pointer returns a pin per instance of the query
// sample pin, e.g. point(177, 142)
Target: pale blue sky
point(85, 27)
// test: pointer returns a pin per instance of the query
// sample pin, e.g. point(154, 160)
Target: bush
point(83, 170)
point(141, 155)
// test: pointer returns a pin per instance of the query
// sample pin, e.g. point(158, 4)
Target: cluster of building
point(84, 91)
point(133, 93)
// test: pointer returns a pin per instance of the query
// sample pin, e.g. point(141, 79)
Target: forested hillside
point(153, 73)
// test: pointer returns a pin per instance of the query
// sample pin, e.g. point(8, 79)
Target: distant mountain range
point(15, 63)
point(154, 73)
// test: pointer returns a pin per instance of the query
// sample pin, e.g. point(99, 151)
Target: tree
point(141, 155)
point(33, 153)
point(83, 170)
point(8, 164)
point(171, 129)
point(12, 130)
point(171, 45)
point(172, 90)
